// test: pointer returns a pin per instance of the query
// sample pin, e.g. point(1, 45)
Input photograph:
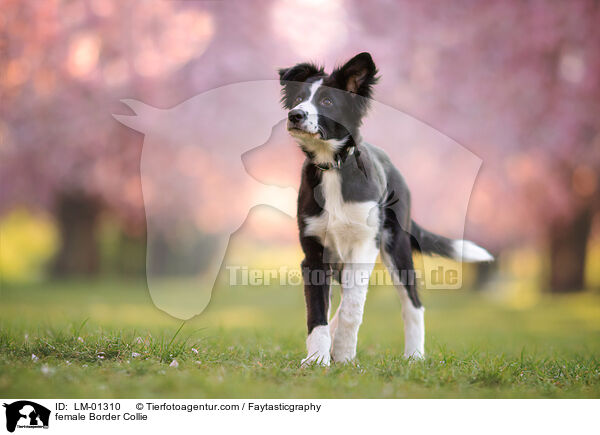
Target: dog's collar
point(338, 161)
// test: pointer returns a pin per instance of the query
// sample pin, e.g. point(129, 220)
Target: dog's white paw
point(318, 344)
point(414, 355)
point(343, 356)
point(316, 359)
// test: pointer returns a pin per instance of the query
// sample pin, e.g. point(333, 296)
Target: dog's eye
point(298, 100)
point(326, 102)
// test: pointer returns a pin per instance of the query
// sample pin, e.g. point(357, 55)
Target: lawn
point(107, 340)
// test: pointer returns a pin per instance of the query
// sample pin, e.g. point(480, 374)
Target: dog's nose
point(297, 115)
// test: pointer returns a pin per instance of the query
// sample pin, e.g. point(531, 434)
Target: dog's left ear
point(357, 75)
point(298, 73)
point(289, 78)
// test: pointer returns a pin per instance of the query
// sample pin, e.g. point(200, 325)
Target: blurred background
point(517, 83)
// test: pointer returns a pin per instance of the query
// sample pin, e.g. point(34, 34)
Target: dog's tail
point(429, 243)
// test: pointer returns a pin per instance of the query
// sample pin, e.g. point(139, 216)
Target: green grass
point(250, 342)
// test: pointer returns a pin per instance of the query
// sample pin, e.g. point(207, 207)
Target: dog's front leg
point(355, 283)
point(316, 293)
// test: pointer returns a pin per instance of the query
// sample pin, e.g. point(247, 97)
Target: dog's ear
point(288, 78)
point(298, 73)
point(357, 75)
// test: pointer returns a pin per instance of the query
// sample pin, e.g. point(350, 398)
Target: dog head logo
point(26, 414)
point(196, 189)
point(207, 162)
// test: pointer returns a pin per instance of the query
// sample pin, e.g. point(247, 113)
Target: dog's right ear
point(358, 75)
point(298, 73)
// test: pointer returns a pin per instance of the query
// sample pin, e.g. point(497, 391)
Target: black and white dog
point(353, 204)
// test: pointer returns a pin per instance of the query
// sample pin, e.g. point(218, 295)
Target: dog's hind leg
point(396, 253)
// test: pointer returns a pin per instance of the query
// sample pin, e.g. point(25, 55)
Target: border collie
point(353, 204)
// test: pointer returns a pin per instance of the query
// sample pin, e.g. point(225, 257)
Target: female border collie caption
point(353, 204)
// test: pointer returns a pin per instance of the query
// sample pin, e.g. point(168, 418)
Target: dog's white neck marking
point(342, 225)
point(323, 150)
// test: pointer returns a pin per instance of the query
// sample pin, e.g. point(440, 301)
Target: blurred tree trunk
point(77, 215)
point(568, 246)
point(484, 273)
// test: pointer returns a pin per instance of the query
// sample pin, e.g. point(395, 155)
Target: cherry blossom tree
point(515, 82)
point(518, 83)
point(65, 65)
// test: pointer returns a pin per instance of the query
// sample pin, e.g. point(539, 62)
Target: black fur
point(358, 76)
point(316, 294)
point(351, 85)
point(428, 243)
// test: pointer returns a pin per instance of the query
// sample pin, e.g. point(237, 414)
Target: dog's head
point(325, 110)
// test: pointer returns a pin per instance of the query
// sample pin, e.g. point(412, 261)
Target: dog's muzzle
point(297, 119)
point(297, 116)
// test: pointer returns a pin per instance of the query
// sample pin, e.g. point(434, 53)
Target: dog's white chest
point(342, 226)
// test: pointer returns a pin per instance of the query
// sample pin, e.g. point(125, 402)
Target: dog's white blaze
point(311, 124)
point(467, 251)
point(318, 345)
point(348, 230)
point(323, 150)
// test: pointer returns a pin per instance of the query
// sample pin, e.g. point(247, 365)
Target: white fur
point(311, 125)
point(334, 320)
point(318, 345)
point(323, 150)
point(342, 225)
point(414, 327)
point(467, 251)
point(348, 230)
point(326, 149)
point(355, 283)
